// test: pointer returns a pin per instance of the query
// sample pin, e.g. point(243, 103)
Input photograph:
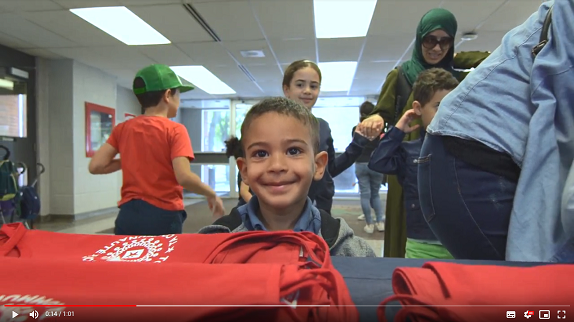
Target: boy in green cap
point(156, 154)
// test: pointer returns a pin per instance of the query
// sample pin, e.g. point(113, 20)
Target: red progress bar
point(28, 305)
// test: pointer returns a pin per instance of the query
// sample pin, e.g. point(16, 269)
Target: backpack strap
point(402, 93)
point(329, 228)
point(544, 33)
point(231, 221)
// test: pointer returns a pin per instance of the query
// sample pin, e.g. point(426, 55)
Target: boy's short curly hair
point(284, 106)
point(431, 81)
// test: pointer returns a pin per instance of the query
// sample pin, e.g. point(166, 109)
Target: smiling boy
point(281, 142)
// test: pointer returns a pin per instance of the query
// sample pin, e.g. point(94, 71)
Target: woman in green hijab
point(434, 47)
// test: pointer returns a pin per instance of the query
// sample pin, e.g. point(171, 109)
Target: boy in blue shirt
point(393, 156)
point(280, 140)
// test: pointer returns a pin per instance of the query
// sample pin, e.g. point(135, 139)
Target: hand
point(408, 117)
point(216, 207)
point(372, 126)
point(359, 132)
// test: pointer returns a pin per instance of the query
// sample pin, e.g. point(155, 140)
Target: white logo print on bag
point(136, 249)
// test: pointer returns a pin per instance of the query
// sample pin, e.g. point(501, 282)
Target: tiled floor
point(103, 222)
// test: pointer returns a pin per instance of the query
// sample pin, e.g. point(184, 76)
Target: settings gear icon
point(528, 314)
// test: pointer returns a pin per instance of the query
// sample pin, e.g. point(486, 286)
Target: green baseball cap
point(160, 77)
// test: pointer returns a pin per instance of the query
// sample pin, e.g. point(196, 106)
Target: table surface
point(369, 279)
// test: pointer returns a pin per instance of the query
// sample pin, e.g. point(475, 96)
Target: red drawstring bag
point(244, 247)
point(449, 292)
point(223, 292)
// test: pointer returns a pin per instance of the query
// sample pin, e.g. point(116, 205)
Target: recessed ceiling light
point(203, 79)
point(337, 76)
point(469, 36)
point(343, 18)
point(122, 24)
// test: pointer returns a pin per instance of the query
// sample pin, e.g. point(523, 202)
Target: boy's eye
point(260, 154)
point(294, 151)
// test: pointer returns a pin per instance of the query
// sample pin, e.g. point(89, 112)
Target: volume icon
point(34, 314)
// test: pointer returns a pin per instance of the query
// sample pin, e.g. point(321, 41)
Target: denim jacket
point(523, 106)
point(393, 156)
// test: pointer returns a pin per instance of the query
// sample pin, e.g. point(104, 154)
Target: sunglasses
point(430, 42)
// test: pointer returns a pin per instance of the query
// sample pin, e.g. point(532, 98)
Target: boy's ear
point(321, 160)
point(242, 169)
point(417, 107)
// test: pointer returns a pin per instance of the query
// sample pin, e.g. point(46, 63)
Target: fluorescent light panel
point(4, 83)
point(343, 19)
point(337, 76)
point(203, 79)
point(122, 24)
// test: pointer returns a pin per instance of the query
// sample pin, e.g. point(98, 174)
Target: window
point(214, 175)
point(207, 122)
point(215, 129)
point(342, 113)
point(240, 111)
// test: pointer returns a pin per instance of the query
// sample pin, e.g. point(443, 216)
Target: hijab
point(435, 19)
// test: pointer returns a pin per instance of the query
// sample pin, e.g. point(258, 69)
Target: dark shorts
point(138, 217)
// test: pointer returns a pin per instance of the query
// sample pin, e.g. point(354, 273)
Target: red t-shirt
point(147, 146)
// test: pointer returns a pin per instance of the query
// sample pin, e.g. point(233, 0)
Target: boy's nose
point(277, 163)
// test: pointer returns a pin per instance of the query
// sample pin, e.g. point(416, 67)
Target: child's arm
point(337, 164)
point(244, 192)
point(191, 182)
point(389, 157)
point(181, 156)
point(103, 160)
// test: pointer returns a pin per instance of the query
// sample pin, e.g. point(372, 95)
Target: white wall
point(67, 188)
point(61, 156)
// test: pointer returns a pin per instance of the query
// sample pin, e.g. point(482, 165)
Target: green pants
point(415, 249)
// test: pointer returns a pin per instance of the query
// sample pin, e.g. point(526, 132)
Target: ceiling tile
point(119, 57)
point(399, 16)
point(235, 48)
point(272, 89)
point(70, 4)
point(166, 54)
point(278, 18)
point(62, 21)
point(267, 74)
point(471, 14)
point(27, 5)
point(512, 14)
point(367, 86)
point(231, 21)
point(236, 79)
point(14, 42)
point(173, 21)
point(486, 41)
point(340, 49)
point(148, 2)
point(386, 47)
point(39, 52)
point(377, 71)
point(208, 54)
point(288, 51)
point(18, 27)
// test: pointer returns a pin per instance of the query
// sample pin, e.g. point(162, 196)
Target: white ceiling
point(283, 29)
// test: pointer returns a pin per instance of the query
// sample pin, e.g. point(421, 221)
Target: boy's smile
point(279, 164)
